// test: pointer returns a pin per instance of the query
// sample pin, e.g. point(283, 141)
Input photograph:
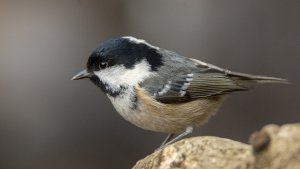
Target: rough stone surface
point(273, 147)
point(282, 148)
point(201, 153)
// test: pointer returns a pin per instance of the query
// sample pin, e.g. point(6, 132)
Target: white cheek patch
point(116, 76)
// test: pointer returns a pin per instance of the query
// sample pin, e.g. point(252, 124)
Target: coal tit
point(160, 90)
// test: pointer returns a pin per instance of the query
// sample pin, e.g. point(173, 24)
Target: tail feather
point(248, 80)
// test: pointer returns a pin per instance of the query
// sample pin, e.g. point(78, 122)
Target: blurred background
point(48, 121)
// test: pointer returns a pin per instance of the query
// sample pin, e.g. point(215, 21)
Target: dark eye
point(103, 65)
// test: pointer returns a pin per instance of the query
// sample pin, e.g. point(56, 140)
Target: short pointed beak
point(81, 75)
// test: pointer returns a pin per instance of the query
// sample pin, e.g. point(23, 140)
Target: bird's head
point(121, 62)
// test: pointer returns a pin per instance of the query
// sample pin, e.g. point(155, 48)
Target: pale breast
point(167, 118)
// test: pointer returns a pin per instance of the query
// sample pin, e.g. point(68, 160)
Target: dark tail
point(247, 80)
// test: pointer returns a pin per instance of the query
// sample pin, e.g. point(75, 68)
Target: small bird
point(160, 90)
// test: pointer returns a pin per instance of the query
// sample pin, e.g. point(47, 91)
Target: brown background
point(48, 121)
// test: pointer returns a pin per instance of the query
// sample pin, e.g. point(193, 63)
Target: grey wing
point(203, 80)
point(192, 86)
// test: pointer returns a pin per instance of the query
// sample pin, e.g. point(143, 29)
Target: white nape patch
point(165, 89)
point(117, 76)
point(209, 66)
point(138, 41)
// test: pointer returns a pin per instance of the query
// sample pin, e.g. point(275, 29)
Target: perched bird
point(160, 90)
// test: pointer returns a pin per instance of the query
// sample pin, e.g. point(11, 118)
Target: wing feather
point(201, 85)
point(192, 79)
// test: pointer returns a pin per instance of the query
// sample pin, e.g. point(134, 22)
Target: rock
point(273, 147)
point(200, 153)
point(281, 149)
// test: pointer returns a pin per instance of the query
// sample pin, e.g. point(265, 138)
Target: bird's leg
point(167, 141)
point(187, 131)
